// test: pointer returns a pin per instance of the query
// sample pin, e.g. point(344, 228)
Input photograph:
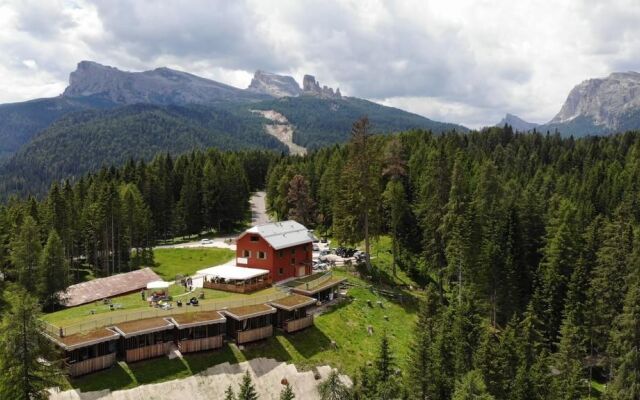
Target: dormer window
point(255, 238)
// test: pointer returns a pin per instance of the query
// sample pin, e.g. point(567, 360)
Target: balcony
point(298, 324)
point(254, 334)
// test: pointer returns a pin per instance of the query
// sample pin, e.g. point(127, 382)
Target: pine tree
point(25, 376)
point(246, 390)
point(25, 255)
point(471, 387)
point(332, 388)
point(287, 393)
point(53, 272)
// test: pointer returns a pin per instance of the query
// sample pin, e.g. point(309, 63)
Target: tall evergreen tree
point(471, 387)
point(332, 388)
point(23, 351)
point(53, 272)
point(25, 253)
point(287, 393)
point(246, 390)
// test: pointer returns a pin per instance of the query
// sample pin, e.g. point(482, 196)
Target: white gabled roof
point(282, 234)
point(231, 271)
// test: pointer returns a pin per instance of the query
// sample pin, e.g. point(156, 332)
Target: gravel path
point(267, 375)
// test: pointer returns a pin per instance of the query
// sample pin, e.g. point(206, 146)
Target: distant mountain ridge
point(106, 115)
point(597, 107)
point(517, 123)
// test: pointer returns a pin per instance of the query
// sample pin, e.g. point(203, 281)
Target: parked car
point(206, 241)
point(323, 240)
point(316, 247)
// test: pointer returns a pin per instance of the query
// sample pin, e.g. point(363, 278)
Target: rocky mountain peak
point(603, 101)
point(158, 86)
point(312, 87)
point(274, 85)
point(516, 123)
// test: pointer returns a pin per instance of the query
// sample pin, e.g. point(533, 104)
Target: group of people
point(187, 283)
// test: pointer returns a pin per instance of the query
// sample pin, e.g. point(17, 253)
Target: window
point(293, 261)
point(262, 255)
point(280, 271)
point(254, 238)
point(293, 251)
point(280, 253)
point(246, 253)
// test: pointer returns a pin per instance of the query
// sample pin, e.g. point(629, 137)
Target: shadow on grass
point(158, 370)
point(114, 378)
point(201, 361)
point(269, 348)
point(309, 342)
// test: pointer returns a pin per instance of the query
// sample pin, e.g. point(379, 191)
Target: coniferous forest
point(526, 246)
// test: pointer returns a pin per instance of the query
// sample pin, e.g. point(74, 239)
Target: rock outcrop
point(274, 85)
point(158, 86)
point(606, 102)
point(312, 87)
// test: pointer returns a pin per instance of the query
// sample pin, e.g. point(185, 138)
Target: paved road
point(258, 216)
point(259, 209)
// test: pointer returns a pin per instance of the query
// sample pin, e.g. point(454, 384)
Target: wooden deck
point(254, 334)
point(226, 287)
point(143, 353)
point(298, 324)
point(190, 346)
point(90, 365)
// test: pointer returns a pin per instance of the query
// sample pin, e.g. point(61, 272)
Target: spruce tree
point(332, 388)
point(23, 351)
point(421, 363)
point(625, 344)
point(25, 253)
point(247, 391)
point(471, 387)
point(53, 272)
point(396, 206)
point(287, 393)
point(301, 207)
point(228, 394)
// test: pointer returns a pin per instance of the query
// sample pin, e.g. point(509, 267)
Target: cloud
point(466, 61)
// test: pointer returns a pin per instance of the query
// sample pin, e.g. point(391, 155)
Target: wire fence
point(118, 317)
point(321, 280)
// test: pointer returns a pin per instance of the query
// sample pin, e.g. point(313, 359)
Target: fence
point(119, 317)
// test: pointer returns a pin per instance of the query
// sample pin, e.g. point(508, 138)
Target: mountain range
point(593, 107)
point(106, 116)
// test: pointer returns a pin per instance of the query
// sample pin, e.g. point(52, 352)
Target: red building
point(284, 248)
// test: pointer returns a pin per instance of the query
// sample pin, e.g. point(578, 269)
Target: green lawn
point(346, 324)
point(171, 262)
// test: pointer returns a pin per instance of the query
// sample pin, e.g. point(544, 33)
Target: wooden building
point(291, 315)
point(145, 338)
point(250, 323)
point(199, 331)
point(284, 248)
point(88, 352)
point(323, 290)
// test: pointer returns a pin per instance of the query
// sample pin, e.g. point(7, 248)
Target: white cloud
point(467, 61)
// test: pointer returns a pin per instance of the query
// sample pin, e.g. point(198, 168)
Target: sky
point(462, 61)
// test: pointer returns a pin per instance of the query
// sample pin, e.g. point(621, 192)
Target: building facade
point(284, 248)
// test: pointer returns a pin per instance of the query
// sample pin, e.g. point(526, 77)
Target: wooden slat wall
point(254, 334)
point(143, 353)
point(91, 365)
point(298, 324)
point(188, 346)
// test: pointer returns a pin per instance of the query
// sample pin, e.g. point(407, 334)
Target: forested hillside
point(83, 142)
point(322, 122)
point(527, 244)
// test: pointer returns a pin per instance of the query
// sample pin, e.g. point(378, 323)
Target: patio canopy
point(158, 285)
point(231, 271)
